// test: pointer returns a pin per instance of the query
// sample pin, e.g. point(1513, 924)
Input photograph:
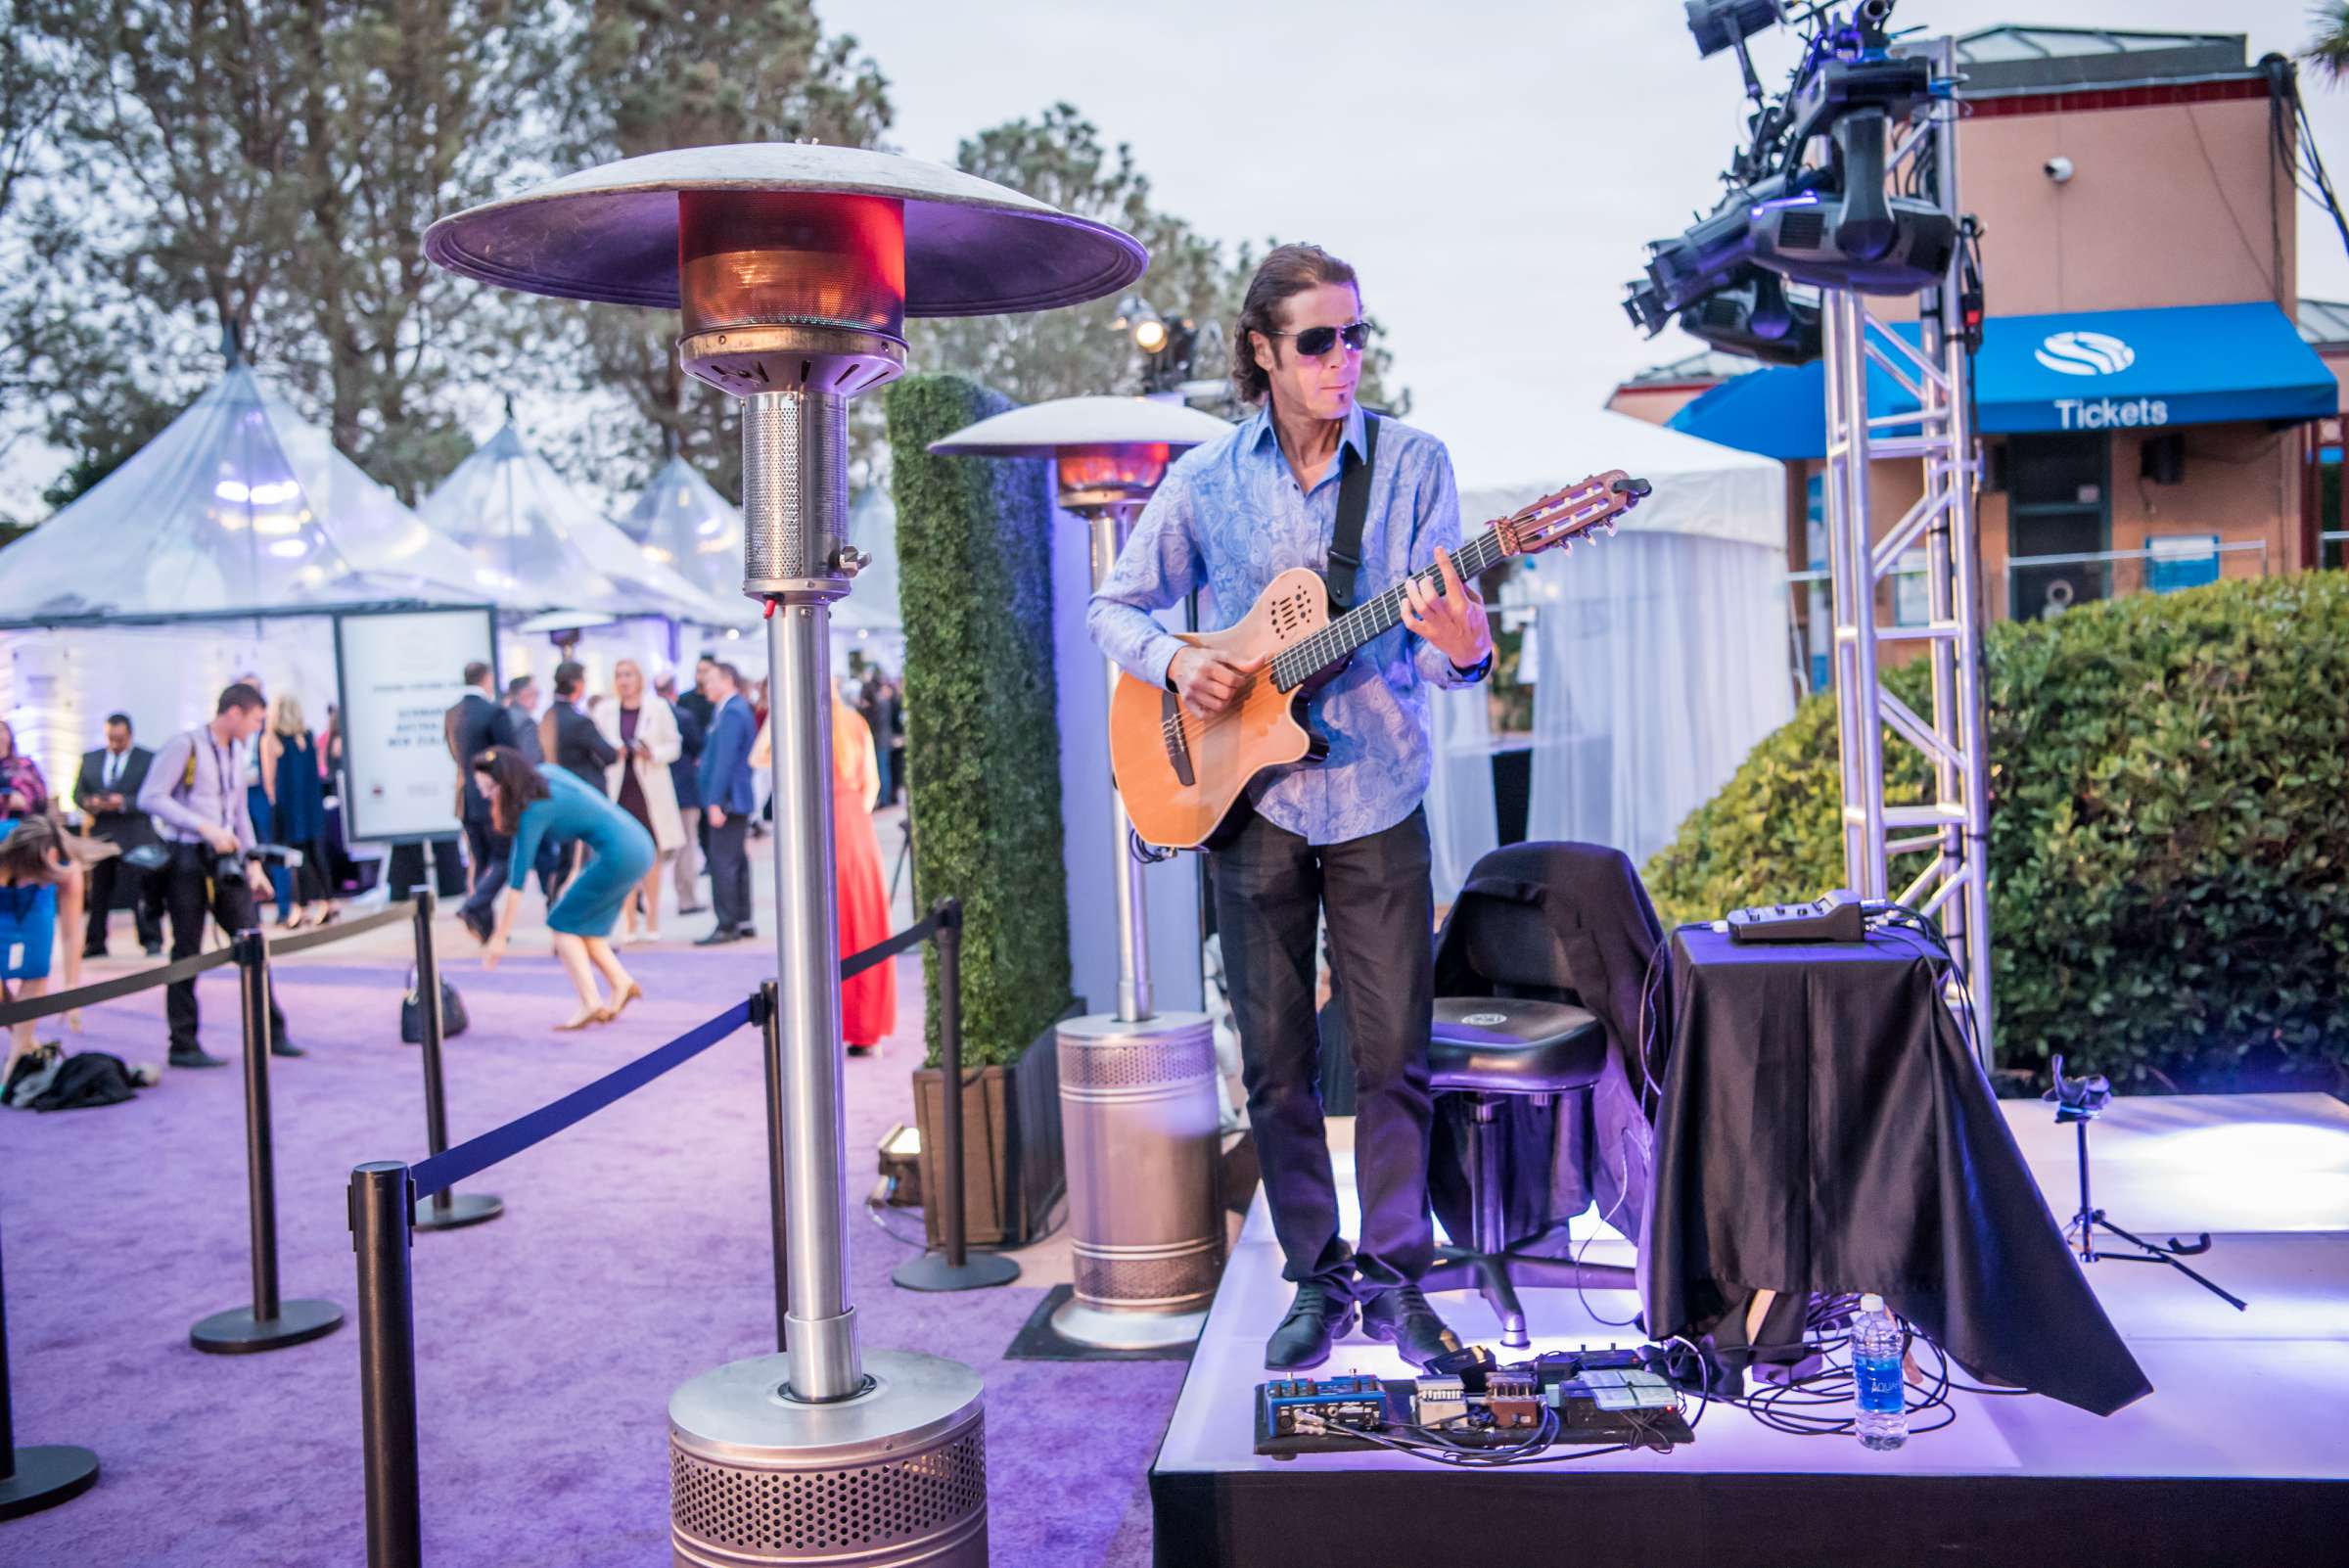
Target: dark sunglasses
point(1314, 341)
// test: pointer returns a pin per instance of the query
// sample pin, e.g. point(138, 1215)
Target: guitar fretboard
point(1336, 642)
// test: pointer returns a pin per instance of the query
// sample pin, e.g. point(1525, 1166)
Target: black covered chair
point(1523, 1039)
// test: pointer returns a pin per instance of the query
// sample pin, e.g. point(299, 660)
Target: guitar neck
point(1337, 642)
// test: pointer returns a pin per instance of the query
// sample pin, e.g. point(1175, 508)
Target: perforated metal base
point(1138, 1117)
point(894, 1476)
point(1121, 1329)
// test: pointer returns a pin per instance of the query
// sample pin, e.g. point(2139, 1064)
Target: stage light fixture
point(1753, 315)
point(1718, 24)
point(1150, 335)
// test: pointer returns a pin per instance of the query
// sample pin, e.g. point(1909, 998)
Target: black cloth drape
point(1825, 1127)
point(1563, 922)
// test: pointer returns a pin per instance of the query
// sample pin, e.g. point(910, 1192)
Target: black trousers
point(730, 870)
point(188, 891)
point(1271, 888)
point(145, 902)
point(481, 847)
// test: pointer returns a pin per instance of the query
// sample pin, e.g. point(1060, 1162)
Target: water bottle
point(1882, 1420)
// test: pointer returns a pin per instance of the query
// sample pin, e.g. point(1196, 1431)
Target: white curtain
point(1660, 659)
point(1460, 822)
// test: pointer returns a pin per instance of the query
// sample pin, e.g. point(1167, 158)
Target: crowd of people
point(177, 833)
point(606, 798)
point(612, 801)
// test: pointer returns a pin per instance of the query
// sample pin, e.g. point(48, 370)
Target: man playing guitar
point(1347, 837)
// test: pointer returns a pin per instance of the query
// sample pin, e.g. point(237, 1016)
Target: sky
point(1493, 168)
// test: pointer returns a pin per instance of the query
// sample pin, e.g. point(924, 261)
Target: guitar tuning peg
point(1611, 526)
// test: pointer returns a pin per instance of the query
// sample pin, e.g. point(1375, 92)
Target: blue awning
point(2087, 370)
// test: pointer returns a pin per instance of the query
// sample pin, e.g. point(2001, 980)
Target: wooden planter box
point(1012, 1173)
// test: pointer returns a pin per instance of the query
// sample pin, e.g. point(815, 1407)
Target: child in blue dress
point(527, 804)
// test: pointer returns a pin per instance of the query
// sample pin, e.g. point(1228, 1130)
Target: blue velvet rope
point(476, 1155)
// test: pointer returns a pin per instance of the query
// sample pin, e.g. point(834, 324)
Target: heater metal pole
point(1109, 525)
point(795, 496)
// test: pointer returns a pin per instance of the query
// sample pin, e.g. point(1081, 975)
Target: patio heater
point(1139, 1106)
point(794, 267)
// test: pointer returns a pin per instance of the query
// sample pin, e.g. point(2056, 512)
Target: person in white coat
point(644, 731)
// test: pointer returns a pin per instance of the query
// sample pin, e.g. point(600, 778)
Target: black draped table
point(1824, 1129)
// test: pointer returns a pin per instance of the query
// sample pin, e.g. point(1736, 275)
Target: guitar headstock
point(1564, 515)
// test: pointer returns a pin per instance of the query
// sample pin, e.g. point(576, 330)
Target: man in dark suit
point(685, 777)
point(519, 719)
point(581, 749)
point(472, 727)
point(107, 793)
point(728, 799)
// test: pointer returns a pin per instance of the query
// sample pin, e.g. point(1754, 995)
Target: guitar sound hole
point(1290, 616)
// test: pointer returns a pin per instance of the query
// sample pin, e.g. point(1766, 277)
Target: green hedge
point(2170, 811)
point(982, 743)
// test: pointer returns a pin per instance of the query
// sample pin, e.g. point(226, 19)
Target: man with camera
point(195, 793)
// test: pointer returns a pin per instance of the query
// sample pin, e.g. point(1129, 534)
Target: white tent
point(1659, 656)
point(548, 548)
point(216, 549)
point(237, 509)
point(681, 522)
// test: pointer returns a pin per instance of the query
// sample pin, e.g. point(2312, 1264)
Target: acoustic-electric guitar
point(1181, 774)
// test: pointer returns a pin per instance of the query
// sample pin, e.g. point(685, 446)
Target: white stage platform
point(2242, 1448)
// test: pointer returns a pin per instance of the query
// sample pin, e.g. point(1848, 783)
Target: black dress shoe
point(1317, 1316)
point(718, 937)
point(195, 1056)
point(745, 933)
point(93, 952)
point(1402, 1318)
point(478, 922)
point(155, 950)
point(693, 909)
point(286, 1047)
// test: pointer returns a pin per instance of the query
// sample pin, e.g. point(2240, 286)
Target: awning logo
point(2084, 354)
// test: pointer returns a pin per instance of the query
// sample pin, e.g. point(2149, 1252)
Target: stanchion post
point(269, 1323)
point(382, 1200)
point(35, 1478)
point(956, 1269)
point(445, 1209)
point(770, 1034)
point(947, 942)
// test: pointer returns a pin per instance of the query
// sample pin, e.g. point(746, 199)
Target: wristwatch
point(1476, 671)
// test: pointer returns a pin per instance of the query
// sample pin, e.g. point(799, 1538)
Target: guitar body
point(1181, 774)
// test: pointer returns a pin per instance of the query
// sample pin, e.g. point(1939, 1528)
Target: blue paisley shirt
point(1230, 517)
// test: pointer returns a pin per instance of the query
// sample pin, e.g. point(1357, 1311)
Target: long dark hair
point(27, 852)
point(514, 785)
point(1287, 269)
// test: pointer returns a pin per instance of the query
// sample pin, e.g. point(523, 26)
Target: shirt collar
point(1255, 433)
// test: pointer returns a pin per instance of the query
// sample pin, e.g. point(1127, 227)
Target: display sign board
point(400, 672)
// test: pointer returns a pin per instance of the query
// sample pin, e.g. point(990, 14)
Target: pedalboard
point(1837, 916)
point(1599, 1397)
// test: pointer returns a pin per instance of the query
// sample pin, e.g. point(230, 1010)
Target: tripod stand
point(2078, 1102)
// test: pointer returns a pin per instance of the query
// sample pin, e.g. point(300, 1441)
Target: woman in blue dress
point(527, 804)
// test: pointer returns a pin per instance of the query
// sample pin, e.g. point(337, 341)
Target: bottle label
point(1879, 1382)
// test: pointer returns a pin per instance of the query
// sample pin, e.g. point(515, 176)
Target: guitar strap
point(1354, 508)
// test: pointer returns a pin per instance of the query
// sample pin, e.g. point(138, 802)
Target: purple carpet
point(633, 1253)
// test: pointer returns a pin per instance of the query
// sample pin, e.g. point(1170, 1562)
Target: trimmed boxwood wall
point(2169, 818)
point(982, 745)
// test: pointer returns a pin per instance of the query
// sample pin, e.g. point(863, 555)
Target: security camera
point(2059, 169)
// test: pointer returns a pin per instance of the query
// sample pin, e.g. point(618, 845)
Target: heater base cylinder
point(1138, 1116)
point(894, 1476)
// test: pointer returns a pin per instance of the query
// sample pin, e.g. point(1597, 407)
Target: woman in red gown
point(868, 1002)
